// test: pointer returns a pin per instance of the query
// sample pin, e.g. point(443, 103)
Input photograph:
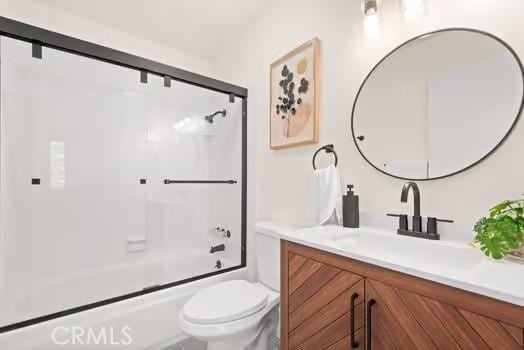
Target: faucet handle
point(402, 221)
point(432, 225)
point(446, 220)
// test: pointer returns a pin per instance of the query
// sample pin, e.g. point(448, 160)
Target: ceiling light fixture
point(370, 7)
point(371, 21)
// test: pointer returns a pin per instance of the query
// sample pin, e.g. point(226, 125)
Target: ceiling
point(197, 27)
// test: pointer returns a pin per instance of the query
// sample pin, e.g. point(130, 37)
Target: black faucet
point(416, 230)
point(417, 220)
point(218, 248)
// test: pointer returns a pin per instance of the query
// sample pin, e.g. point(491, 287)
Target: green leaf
point(503, 230)
point(499, 208)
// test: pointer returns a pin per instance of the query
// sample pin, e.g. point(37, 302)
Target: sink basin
point(441, 255)
point(417, 253)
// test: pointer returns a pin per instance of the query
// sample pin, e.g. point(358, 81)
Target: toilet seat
point(225, 302)
point(233, 334)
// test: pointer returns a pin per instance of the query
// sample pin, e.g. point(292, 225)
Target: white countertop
point(450, 263)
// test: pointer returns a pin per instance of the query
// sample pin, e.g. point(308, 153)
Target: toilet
point(237, 314)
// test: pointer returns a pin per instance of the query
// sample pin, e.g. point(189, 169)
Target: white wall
point(36, 12)
point(347, 54)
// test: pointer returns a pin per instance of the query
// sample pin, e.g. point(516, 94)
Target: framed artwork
point(294, 97)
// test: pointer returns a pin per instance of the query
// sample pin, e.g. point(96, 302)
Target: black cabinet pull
point(354, 344)
point(371, 302)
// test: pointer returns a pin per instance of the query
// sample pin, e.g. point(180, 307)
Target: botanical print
point(294, 97)
point(291, 106)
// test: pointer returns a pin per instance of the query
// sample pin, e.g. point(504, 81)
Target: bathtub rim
point(71, 311)
point(139, 313)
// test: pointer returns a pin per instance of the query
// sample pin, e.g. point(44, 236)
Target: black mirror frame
point(510, 130)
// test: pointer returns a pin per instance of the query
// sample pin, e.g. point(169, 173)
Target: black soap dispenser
point(350, 209)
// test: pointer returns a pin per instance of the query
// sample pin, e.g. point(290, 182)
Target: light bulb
point(372, 25)
point(371, 20)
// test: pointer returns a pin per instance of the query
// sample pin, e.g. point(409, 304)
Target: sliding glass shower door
point(112, 182)
point(188, 153)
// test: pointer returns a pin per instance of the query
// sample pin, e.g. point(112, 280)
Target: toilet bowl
point(237, 314)
point(233, 315)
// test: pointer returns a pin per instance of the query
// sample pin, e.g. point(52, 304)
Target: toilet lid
point(225, 302)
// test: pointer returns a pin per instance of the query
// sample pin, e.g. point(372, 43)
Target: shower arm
point(210, 117)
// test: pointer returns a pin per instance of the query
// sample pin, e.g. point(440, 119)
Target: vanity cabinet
point(330, 301)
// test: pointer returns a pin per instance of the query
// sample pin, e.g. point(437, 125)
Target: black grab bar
point(168, 181)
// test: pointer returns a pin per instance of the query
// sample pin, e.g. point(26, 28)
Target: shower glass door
point(190, 210)
point(85, 213)
point(72, 150)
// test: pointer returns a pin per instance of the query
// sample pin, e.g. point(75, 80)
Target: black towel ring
point(328, 149)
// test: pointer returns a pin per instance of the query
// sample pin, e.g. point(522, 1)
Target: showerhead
point(209, 118)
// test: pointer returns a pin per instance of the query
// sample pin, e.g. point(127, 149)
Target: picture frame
point(294, 97)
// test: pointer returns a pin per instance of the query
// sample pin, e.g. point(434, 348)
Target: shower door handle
point(168, 182)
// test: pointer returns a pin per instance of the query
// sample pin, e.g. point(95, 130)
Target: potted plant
point(502, 232)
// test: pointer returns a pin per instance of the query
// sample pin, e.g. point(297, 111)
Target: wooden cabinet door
point(321, 305)
point(398, 319)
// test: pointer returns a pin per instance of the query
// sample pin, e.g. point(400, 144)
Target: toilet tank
point(267, 251)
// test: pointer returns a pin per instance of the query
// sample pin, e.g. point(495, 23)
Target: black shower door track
point(46, 38)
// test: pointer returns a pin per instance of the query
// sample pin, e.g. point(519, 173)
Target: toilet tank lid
point(274, 229)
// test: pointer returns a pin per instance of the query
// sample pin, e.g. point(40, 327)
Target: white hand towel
point(328, 193)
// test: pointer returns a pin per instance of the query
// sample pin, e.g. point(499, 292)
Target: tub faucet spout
point(218, 248)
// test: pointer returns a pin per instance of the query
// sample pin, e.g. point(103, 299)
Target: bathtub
point(150, 320)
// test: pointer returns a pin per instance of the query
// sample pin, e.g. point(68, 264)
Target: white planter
point(517, 254)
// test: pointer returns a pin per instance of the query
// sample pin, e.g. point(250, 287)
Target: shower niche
point(112, 177)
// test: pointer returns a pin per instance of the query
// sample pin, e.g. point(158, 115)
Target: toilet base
point(218, 346)
point(263, 339)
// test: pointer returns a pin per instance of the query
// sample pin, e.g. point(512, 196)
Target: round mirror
point(438, 104)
